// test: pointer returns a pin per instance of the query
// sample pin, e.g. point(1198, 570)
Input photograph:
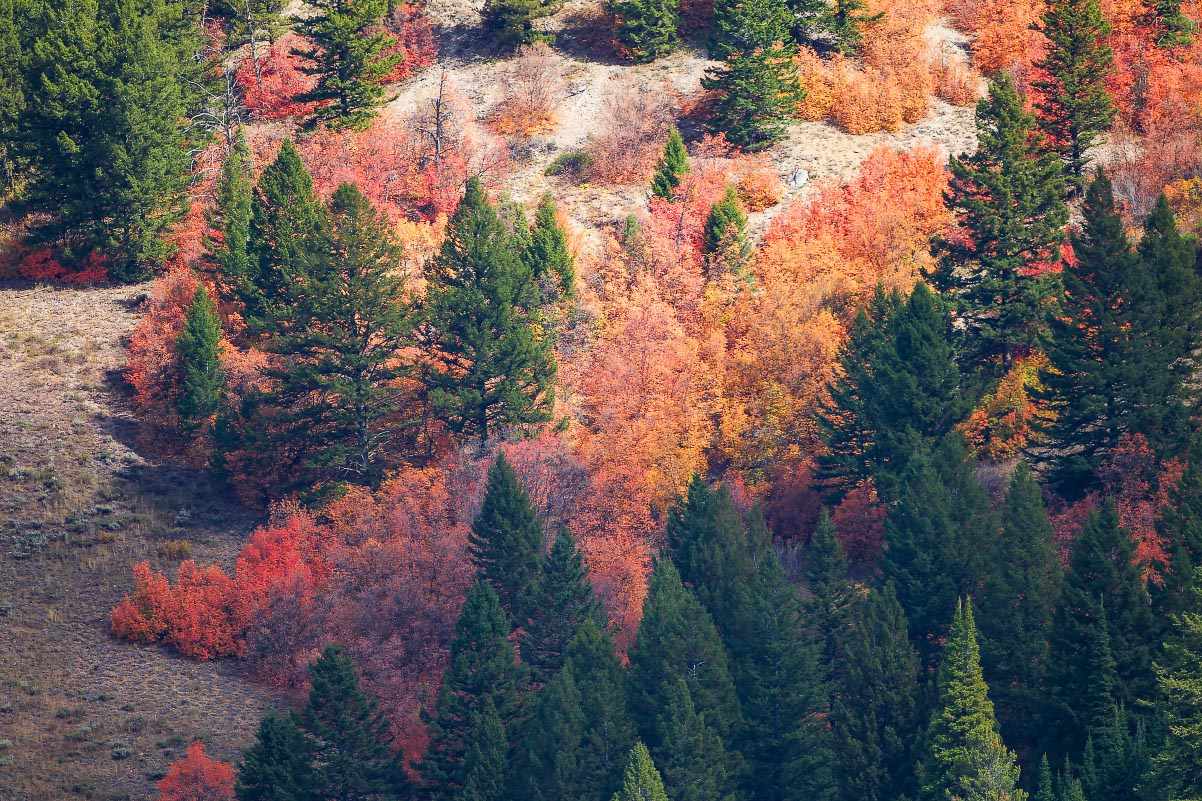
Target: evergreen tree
point(935, 536)
point(898, 384)
point(506, 541)
point(103, 125)
point(340, 405)
point(1103, 619)
point(1019, 593)
point(691, 755)
point(1045, 791)
point(725, 245)
point(347, 55)
point(1116, 376)
point(549, 754)
point(230, 252)
point(646, 28)
point(490, 364)
point(642, 781)
point(1007, 198)
point(741, 26)
point(1175, 770)
point(560, 601)
point(607, 731)
point(482, 667)
point(199, 351)
point(547, 254)
point(1123, 760)
point(757, 92)
point(875, 723)
point(278, 767)
point(676, 639)
point(486, 763)
point(351, 738)
point(512, 21)
point(12, 91)
point(847, 20)
point(831, 607)
point(965, 754)
point(1180, 528)
point(672, 167)
point(1173, 29)
point(1074, 106)
point(286, 227)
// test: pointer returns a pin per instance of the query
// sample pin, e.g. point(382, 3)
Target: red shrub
point(271, 93)
point(197, 778)
point(860, 523)
point(43, 265)
point(414, 38)
point(144, 616)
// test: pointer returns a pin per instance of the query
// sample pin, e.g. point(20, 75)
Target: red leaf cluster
point(196, 777)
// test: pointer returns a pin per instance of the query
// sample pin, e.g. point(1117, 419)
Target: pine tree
point(725, 245)
point(898, 384)
point(646, 28)
point(1103, 607)
point(691, 755)
point(1045, 791)
point(286, 227)
point(607, 729)
point(1175, 766)
point(548, 766)
point(1074, 106)
point(875, 721)
point(676, 639)
point(351, 738)
point(965, 754)
point(741, 26)
point(199, 350)
point(1180, 527)
point(103, 124)
point(1123, 760)
point(547, 254)
point(1007, 198)
point(672, 167)
point(756, 94)
point(935, 536)
point(1173, 29)
point(230, 252)
point(482, 666)
point(1111, 378)
point(486, 763)
point(642, 781)
point(490, 364)
point(832, 597)
point(506, 541)
point(560, 601)
point(340, 403)
point(1019, 593)
point(278, 767)
point(512, 21)
point(12, 92)
point(847, 19)
point(346, 53)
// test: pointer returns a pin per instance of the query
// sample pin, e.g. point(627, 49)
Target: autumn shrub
point(860, 524)
point(413, 39)
point(269, 89)
point(196, 777)
point(144, 616)
point(1000, 426)
point(45, 264)
point(955, 81)
point(819, 78)
point(760, 188)
point(633, 126)
point(533, 88)
point(867, 103)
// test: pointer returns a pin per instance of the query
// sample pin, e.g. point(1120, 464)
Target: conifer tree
point(832, 602)
point(351, 738)
point(898, 384)
point(103, 124)
point(1173, 29)
point(672, 167)
point(486, 763)
point(1074, 106)
point(676, 639)
point(1007, 198)
point(561, 599)
point(340, 401)
point(847, 19)
point(1044, 789)
point(482, 666)
point(741, 26)
point(547, 254)
point(512, 21)
point(1111, 378)
point(647, 29)
point(725, 245)
point(757, 91)
point(1175, 773)
point(199, 350)
point(691, 755)
point(278, 767)
point(875, 723)
point(642, 781)
point(347, 55)
point(548, 767)
point(1103, 609)
point(965, 755)
point(1018, 597)
point(607, 731)
point(230, 252)
point(506, 541)
point(286, 227)
point(1180, 527)
point(12, 91)
point(490, 363)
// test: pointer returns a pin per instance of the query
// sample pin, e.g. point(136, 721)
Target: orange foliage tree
point(196, 777)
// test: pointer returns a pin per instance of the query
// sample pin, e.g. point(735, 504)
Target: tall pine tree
point(548, 763)
point(756, 92)
point(279, 766)
point(547, 254)
point(1177, 765)
point(199, 347)
point(607, 731)
point(506, 541)
point(642, 781)
point(672, 167)
point(692, 758)
point(561, 599)
point(230, 251)
point(647, 29)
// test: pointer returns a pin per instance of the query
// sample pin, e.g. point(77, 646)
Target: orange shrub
point(867, 103)
point(43, 264)
point(413, 37)
point(819, 79)
point(197, 778)
point(760, 188)
point(1001, 424)
point(533, 90)
point(955, 81)
point(144, 616)
point(634, 125)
